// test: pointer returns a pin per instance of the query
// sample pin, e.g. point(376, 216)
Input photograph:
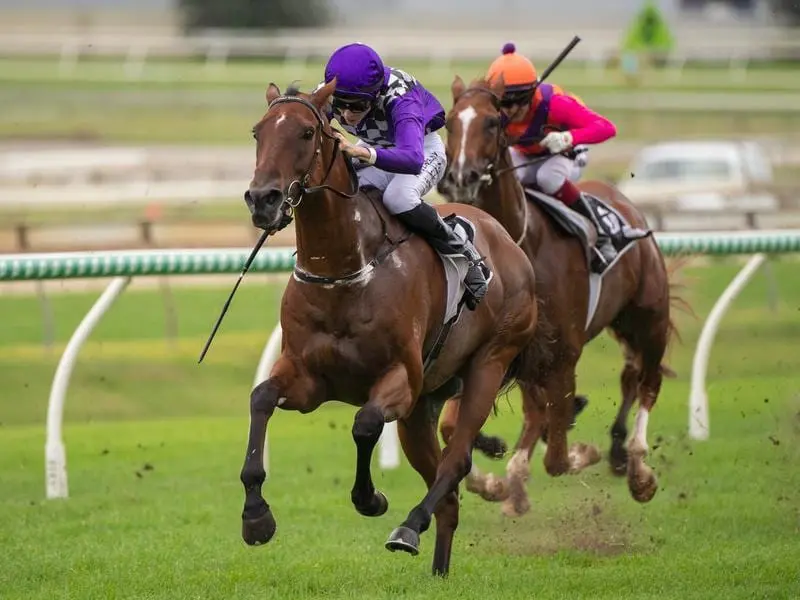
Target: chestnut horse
point(634, 302)
point(364, 307)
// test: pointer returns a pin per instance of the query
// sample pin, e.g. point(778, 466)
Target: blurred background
point(127, 123)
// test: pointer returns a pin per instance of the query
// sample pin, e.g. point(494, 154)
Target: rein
point(297, 189)
point(490, 172)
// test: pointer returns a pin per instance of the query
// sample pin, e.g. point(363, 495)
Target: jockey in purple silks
point(396, 121)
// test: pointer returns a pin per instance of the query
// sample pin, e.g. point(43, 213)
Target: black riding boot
point(426, 222)
point(607, 238)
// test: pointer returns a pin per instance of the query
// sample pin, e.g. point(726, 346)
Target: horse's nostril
point(261, 198)
point(473, 177)
point(273, 197)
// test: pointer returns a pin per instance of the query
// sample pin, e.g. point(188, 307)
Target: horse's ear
point(457, 87)
point(272, 92)
point(321, 96)
point(498, 86)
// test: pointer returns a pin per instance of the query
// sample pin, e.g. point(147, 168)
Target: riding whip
point(553, 65)
point(247, 264)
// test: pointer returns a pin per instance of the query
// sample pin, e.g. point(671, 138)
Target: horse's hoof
point(580, 403)
point(405, 539)
point(377, 506)
point(259, 530)
point(618, 459)
point(643, 487)
point(515, 507)
point(619, 468)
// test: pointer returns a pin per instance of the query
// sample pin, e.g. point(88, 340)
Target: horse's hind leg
point(480, 390)
point(418, 437)
point(489, 445)
point(559, 391)
point(486, 485)
point(642, 481)
point(629, 384)
point(390, 396)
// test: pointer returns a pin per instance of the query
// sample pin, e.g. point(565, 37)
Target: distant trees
point(787, 11)
point(252, 14)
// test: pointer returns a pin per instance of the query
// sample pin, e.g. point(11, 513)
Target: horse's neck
point(507, 201)
point(336, 236)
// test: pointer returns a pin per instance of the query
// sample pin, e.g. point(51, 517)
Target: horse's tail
point(529, 363)
point(675, 301)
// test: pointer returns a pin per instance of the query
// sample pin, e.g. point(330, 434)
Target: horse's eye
point(492, 123)
point(308, 134)
point(255, 133)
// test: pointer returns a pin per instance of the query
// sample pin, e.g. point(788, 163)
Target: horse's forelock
point(293, 89)
point(480, 83)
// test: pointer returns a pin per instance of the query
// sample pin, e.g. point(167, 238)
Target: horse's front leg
point(390, 397)
point(291, 391)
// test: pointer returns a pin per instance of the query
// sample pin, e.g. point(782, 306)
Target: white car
point(701, 176)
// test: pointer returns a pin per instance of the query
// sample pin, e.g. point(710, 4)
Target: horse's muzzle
point(265, 206)
point(462, 187)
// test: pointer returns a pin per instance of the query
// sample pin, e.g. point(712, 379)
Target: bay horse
point(634, 302)
point(365, 305)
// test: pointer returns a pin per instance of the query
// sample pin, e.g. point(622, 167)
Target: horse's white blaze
point(357, 216)
point(466, 115)
point(280, 120)
point(639, 441)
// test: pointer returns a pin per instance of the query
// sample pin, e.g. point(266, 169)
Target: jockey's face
point(352, 117)
point(351, 110)
point(515, 105)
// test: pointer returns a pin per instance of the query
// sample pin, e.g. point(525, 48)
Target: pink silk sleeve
point(586, 126)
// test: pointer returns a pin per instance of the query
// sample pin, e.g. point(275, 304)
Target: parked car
point(701, 176)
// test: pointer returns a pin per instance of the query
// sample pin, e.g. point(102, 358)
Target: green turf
point(167, 73)
point(173, 101)
point(155, 444)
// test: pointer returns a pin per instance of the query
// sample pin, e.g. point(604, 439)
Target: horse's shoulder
point(394, 227)
point(372, 193)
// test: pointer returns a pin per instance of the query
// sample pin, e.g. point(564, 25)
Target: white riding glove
point(557, 141)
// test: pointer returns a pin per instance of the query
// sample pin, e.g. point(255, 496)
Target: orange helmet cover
point(517, 70)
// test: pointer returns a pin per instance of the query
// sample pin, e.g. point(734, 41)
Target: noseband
point(491, 172)
point(298, 188)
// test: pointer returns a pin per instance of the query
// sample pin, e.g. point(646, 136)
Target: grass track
point(155, 444)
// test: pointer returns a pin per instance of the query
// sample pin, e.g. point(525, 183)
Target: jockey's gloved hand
point(557, 141)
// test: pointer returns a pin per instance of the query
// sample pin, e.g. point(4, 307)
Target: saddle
point(579, 227)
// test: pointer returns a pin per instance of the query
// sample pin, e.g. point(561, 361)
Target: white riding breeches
point(403, 192)
point(550, 173)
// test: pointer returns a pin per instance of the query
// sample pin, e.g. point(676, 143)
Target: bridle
point(293, 195)
point(491, 172)
point(298, 188)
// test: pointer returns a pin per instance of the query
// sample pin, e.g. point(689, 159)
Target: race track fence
point(122, 266)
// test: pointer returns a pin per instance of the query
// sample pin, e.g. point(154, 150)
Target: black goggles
point(511, 99)
point(353, 104)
